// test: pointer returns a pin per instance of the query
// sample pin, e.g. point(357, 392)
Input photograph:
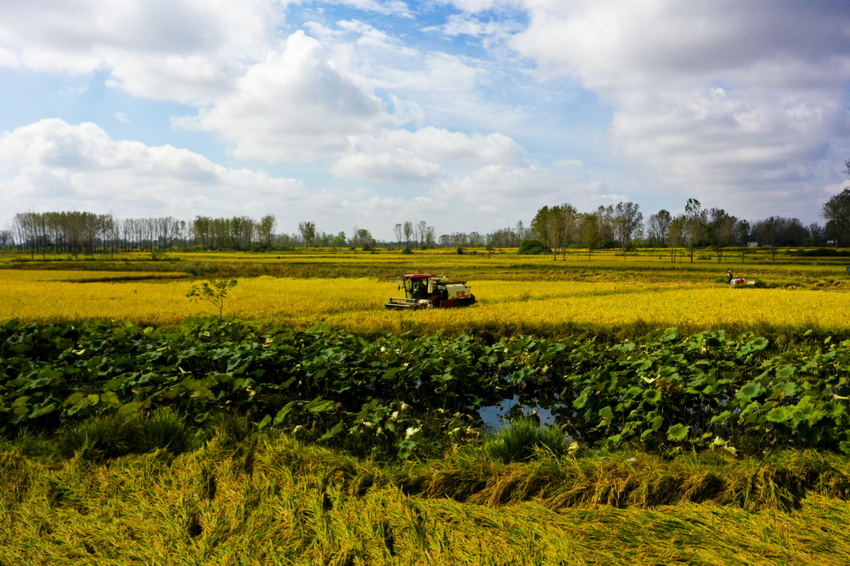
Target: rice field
point(279, 502)
point(530, 305)
point(265, 498)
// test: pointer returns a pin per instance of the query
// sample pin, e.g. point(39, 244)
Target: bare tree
point(421, 233)
point(408, 232)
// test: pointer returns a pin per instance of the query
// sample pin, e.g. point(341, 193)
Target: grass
point(115, 435)
point(271, 500)
point(520, 440)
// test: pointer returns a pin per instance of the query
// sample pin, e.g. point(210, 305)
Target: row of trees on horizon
point(557, 228)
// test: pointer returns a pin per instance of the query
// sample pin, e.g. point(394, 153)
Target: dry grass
point(280, 502)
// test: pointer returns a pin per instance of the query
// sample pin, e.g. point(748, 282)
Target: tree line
point(556, 228)
point(561, 227)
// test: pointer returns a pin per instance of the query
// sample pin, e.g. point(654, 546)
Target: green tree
point(675, 235)
point(542, 225)
point(721, 230)
point(308, 232)
point(590, 232)
point(628, 223)
point(695, 224)
point(836, 211)
point(339, 240)
point(265, 230)
point(659, 228)
point(214, 290)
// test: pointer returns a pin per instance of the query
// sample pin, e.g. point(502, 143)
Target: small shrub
point(230, 430)
point(106, 436)
point(532, 247)
point(519, 441)
point(109, 436)
point(407, 251)
point(459, 250)
point(165, 430)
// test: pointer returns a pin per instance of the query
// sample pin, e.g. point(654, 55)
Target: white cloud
point(443, 145)
point(183, 50)
point(466, 24)
point(394, 164)
point(57, 166)
point(122, 117)
point(736, 101)
point(518, 192)
point(402, 155)
point(476, 6)
point(390, 7)
point(295, 105)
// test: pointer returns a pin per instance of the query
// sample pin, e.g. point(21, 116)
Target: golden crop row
point(358, 304)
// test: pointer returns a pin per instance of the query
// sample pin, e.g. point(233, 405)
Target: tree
point(695, 223)
point(659, 228)
point(676, 235)
point(364, 238)
point(817, 235)
point(628, 221)
point(308, 232)
point(422, 233)
point(605, 224)
point(590, 232)
point(721, 229)
point(265, 230)
point(397, 230)
point(836, 211)
point(564, 226)
point(214, 290)
point(541, 225)
point(339, 240)
point(408, 232)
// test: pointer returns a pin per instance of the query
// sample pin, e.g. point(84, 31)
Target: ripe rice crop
point(505, 306)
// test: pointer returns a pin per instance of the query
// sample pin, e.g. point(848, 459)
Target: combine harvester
point(431, 291)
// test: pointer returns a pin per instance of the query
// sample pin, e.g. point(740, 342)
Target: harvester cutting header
point(431, 291)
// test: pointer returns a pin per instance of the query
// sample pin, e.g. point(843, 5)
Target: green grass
point(519, 441)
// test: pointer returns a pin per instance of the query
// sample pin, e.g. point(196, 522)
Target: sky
point(467, 114)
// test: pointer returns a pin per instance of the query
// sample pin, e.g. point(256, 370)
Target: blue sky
point(468, 114)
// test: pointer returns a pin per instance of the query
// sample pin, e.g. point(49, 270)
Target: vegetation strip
point(400, 395)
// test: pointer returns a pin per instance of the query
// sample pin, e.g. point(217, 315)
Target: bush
point(519, 441)
point(460, 250)
point(407, 251)
point(532, 247)
point(115, 435)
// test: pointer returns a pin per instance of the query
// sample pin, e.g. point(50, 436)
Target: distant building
point(753, 244)
point(830, 242)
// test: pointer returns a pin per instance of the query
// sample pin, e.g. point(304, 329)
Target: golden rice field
point(505, 306)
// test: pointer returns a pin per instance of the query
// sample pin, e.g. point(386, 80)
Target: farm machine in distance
point(431, 291)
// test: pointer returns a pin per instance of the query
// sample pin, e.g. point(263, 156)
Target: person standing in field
point(729, 276)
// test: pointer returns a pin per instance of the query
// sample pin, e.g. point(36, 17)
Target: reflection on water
point(496, 417)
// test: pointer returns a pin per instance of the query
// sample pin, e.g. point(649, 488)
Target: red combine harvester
point(431, 291)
